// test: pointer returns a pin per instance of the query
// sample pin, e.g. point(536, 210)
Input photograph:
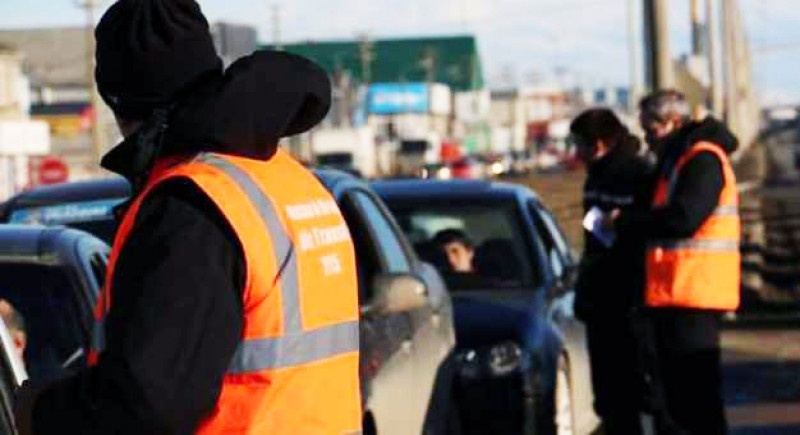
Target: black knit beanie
point(151, 51)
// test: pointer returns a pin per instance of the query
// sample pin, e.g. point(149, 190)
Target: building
point(57, 63)
point(530, 118)
point(21, 140)
point(384, 83)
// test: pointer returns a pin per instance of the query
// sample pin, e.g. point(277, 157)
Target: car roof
point(119, 188)
point(32, 241)
point(116, 187)
point(331, 178)
point(434, 189)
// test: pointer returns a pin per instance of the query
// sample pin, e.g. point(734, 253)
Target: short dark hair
point(451, 235)
point(601, 123)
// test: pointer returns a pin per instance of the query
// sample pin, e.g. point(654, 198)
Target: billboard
point(394, 98)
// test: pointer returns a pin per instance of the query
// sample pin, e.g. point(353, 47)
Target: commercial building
point(415, 94)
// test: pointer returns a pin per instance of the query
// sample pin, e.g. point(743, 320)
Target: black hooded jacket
point(695, 197)
point(697, 188)
point(611, 278)
point(177, 313)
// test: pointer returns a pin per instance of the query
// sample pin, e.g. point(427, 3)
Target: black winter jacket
point(695, 197)
point(177, 315)
point(611, 278)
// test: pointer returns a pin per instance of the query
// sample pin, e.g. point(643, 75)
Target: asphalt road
point(761, 351)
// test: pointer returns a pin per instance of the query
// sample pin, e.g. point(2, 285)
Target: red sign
point(53, 171)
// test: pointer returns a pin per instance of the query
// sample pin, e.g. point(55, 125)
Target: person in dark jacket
point(611, 278)
point(687, 338)
point(178, 313)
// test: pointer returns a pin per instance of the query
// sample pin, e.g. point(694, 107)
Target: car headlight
point(469, 366)
point(504, 358)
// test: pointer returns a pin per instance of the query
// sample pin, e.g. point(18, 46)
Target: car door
point(433, 338)
point(563, 265)
point(387, 339)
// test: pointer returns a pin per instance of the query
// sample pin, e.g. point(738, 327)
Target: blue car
point(522, 358)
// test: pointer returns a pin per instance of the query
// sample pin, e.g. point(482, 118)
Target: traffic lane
point(762, 385)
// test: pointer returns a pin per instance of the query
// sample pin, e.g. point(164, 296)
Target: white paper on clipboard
point(592, 223)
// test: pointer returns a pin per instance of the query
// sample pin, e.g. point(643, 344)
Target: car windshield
point(46, 299)
point(475, 244)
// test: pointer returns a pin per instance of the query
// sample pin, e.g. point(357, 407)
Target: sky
point(587, 40)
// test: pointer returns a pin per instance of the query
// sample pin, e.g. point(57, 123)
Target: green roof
point(450, 60)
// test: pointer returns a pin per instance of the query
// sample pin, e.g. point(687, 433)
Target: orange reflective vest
point(702, 271)
point(296, 368)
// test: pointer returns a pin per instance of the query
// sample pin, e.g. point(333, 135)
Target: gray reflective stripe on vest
point(295, 347)
point(281, 242)
point(726, 210)
point(705, 245)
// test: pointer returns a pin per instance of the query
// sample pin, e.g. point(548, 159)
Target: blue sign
point(63, 214)
point(393, 98)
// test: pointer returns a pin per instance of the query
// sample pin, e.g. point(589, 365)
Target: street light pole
point(635, 90)
point(717, 94)
point(656, 32)
point(97, 141)
point(276, 26)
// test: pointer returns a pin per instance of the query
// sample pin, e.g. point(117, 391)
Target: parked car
point(52, 277)
point(521, 353)
point(407, 346)
point(407, 334)
point(436, 170)
point(468, 167)
point(84, 205)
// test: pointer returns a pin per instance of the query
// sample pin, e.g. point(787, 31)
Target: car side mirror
point(396, 293)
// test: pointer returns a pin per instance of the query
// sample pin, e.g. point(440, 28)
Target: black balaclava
point(149, 52)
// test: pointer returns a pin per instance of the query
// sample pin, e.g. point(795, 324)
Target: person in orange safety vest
point(692, 259)
point(222, 312)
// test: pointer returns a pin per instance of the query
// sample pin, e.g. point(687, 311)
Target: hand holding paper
point(599, 224)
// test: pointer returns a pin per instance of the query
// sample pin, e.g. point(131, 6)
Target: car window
point(555, 247)
point(366, 222)
point(473, 243)
point(98, 263)
point(391, 247)
point(46, 297)
point(554, 229)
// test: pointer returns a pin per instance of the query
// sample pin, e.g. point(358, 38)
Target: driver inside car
point(458, 248)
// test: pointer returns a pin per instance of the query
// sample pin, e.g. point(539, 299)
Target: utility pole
point(97, 136)
point(633, 57)
point(729, 59)
point(697, 28)
point(276, 26)
point(366, 55)
point(656, 34)
point(712, 28)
